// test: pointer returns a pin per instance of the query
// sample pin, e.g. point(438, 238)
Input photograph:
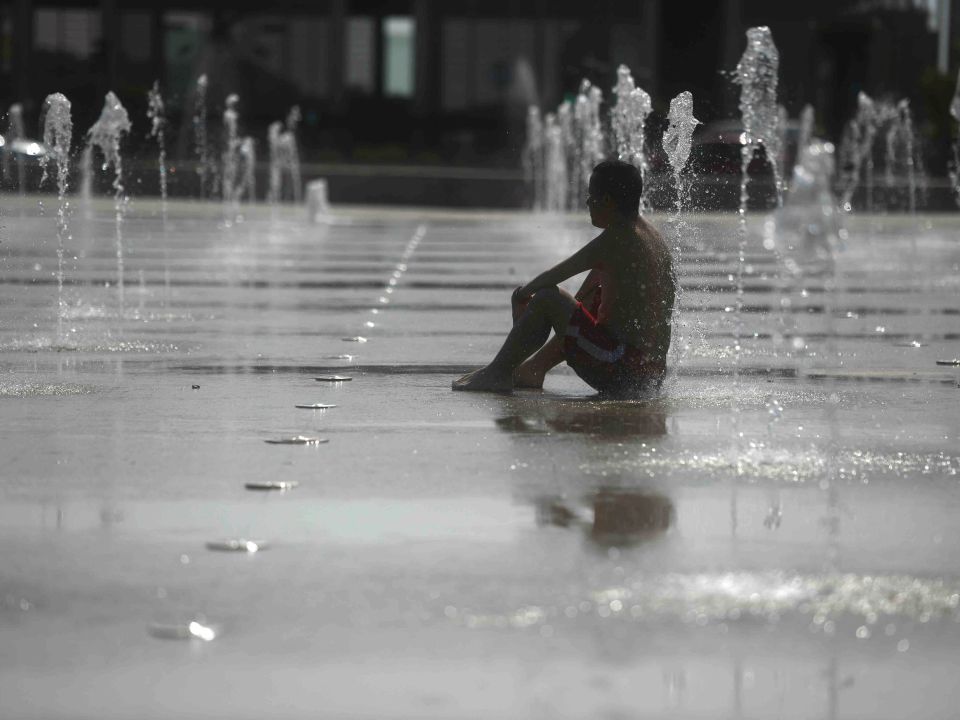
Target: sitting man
point(616, 332)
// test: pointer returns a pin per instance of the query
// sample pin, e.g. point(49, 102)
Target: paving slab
point(773, 537)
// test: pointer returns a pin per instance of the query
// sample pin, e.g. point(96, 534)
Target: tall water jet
point(247, 184)
point(533, 158)
point(284, 157)
point(200, 134)
point(955, 112)
point(570, 153)
point(231, 151)
point(293, 153)
point(106, 134)
point(16, 135)
point(57, 136)
point(756, 74)
point(274, 150)
point(628, 120)
point(555, 165)
point(677, 143)
point(857, 151)
point(156, 113)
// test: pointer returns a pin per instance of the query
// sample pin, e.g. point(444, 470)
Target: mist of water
point(57, 137)
point(106, 134)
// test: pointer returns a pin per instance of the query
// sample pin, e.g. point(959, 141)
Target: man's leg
point(531, 372)
point(548, 309)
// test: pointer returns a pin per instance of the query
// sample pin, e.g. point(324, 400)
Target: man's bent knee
point(545, 296)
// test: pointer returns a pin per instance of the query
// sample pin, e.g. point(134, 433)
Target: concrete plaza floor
point(777, 542)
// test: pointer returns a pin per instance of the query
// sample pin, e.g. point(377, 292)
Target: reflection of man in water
point(616, 332)
point(620, 516)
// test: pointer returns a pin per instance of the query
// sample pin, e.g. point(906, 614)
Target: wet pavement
point(775, 537)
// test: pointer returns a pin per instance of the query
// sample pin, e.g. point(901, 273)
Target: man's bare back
point(638, 287)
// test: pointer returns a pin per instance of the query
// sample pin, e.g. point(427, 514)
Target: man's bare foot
point(527, 378)
point(485, 379)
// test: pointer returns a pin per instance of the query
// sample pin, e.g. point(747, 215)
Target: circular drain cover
point(272, 485)
point(297, 440)
point(193, 630)
point(236, 545)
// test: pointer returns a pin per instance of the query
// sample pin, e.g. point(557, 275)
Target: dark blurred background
point(438, 89)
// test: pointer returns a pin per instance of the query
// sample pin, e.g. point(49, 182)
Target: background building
point(441, 82)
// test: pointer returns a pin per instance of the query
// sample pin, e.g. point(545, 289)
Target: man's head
point(615, 189)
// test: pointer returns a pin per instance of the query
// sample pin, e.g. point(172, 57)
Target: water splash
point(156, 113)
point(200, 134)
point(57, 137)
point(106, 134)
point(628, 119)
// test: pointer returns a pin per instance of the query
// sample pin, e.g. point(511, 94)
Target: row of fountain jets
point(231, 176)
point(563, 146)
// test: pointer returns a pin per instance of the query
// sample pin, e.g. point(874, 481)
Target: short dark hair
point(621, 181)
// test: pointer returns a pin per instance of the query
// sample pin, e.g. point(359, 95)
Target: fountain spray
point(57, 136)
point(629, 116)
point(156, 113)
point(677, 143)
point(106, 133)
point(201, 144)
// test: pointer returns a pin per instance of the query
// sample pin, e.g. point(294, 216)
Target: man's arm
point(584, 259)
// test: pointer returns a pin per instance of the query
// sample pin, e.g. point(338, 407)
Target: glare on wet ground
point(448, 555)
